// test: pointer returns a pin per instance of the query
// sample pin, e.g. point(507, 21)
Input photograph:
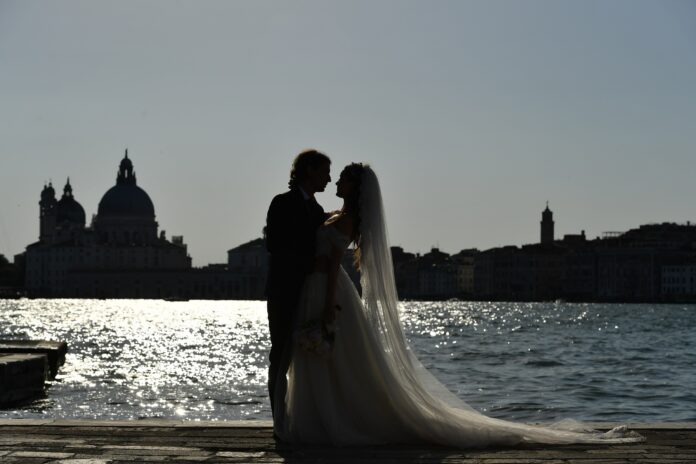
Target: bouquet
point(316, 337)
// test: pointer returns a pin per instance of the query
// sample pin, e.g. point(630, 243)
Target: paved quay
point(100, 442)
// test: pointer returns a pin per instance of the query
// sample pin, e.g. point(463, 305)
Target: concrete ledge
point(54, 351)
point(22, 376)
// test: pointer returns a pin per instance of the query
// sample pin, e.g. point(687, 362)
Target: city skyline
point(544, 236)
point(473, 114)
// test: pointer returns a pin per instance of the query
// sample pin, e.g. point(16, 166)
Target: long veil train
point(427, 405)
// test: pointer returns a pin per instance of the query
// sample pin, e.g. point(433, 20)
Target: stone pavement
point(100, 442)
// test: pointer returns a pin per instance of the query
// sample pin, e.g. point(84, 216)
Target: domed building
point(59, 219)
point(120, 254)
point(69, 213)
point(126, 214)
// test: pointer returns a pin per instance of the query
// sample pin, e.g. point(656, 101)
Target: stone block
point(22, 376)
point(54, 351)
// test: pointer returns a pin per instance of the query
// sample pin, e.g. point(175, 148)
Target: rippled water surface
point(205, 360)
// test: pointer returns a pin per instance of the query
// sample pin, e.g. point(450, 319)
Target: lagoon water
point(206, 360)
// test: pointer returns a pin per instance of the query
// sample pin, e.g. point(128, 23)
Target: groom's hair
point(307, 159)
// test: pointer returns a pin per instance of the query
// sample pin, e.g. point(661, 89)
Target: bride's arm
point(329, 314)
point(345, 226)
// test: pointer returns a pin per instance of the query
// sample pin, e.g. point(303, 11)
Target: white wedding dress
point(372, 389)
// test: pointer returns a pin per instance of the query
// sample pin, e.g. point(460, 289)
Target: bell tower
point(546, 225)
point(47, 213)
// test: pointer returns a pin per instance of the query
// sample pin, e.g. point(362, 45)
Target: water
point(206, 360)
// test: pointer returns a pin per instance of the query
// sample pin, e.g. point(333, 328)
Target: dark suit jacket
point(291, 225)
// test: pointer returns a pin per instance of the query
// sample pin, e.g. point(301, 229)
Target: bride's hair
point(354, 172)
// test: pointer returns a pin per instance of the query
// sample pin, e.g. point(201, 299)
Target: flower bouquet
point(316, 337)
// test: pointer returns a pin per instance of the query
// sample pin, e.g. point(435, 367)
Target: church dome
point(68, 209)
point(126, 198)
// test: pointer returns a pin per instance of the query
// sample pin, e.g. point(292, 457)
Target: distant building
point(433, 275)
point(627, 274)
point(437, 275)
point(679, 281)
point(532, 272)
point(628, 266)
point(119, 255)
point(249, 263)
point(465, 262)
point(10, 279)
point(405, 272)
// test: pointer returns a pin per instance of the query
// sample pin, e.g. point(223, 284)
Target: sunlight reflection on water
point(204, 360)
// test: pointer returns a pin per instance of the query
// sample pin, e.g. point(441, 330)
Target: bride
point(353, 379)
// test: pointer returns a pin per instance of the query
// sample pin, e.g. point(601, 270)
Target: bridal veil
point(425, 404)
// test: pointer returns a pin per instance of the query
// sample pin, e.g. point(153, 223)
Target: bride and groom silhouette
point(341, 371)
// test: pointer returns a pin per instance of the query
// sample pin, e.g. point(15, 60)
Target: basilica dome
point(68, 209)
point(126, 198)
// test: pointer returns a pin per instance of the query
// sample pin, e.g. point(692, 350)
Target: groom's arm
point(280, 225)
point(274, 221)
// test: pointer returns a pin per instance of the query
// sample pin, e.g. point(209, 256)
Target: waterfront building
point(465, 263)
point(621, 267)
point(437, 275)
point(249, 262)
point(434, 275)
point(630, 265)
point(120, 254)
point(579, 279)
point(10, 279)
point(532, 272)
point(405, 272)
point(679, 281)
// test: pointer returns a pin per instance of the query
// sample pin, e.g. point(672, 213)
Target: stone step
point(54, 351)
point(22, 376)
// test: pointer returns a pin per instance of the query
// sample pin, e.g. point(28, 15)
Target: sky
point(472, 113)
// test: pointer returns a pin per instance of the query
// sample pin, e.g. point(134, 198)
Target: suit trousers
point(281, 313)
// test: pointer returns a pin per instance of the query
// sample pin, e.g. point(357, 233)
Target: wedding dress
point(372, 389)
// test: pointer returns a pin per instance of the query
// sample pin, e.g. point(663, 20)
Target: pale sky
point(473, 114)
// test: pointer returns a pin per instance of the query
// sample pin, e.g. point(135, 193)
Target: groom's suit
point(291, 225)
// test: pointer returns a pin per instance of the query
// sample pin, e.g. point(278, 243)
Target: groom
point(291, 225)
